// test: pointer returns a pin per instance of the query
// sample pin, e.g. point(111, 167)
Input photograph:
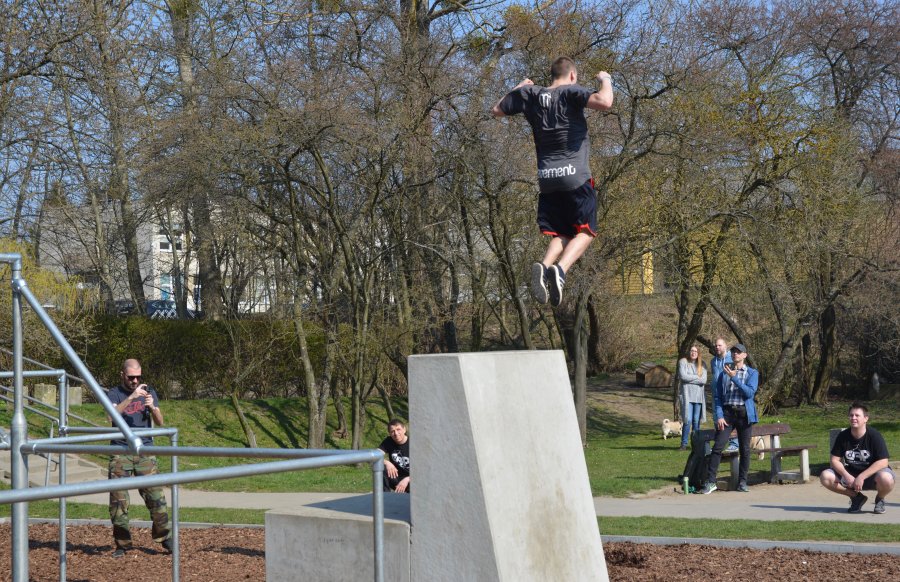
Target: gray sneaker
point(742, 488)
point(539, 283)
point(857, 502)
point(879, 505)
point(708, 488)
point(731, 448)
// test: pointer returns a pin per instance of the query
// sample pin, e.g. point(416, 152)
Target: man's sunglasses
point(133, 377)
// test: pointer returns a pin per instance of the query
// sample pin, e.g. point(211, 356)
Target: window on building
point(165, 286)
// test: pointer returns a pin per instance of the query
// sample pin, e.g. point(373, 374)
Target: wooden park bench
point(776, 451)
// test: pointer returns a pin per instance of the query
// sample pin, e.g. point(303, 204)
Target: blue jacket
point(716, 364)
point(748, 388)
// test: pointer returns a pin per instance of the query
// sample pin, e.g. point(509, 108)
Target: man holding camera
point(733, 395)
point(138, 404)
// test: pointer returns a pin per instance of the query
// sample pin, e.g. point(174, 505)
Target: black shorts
point(568, 213)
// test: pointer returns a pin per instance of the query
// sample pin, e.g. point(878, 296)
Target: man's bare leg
point(573, 249)
point(554, 250)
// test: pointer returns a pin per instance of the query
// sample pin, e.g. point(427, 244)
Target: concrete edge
point(825, 547)
point(135, 522)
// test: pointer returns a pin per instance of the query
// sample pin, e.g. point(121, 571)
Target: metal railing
point(20, 446)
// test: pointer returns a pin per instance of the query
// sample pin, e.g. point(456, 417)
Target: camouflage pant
point(154, 499)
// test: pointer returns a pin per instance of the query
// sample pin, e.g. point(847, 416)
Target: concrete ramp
point(500, 486)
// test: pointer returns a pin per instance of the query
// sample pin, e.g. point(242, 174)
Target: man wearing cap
point(734, 410)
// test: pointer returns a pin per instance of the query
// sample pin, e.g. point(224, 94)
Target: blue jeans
point(691, 421)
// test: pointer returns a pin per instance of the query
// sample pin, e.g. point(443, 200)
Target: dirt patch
point(619, 393)
point(228, 554)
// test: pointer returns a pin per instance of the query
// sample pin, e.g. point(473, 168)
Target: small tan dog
point(670, 427)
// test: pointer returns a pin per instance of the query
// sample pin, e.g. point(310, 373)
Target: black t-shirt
point(137, 415)
point(560, 132)
point(859, 454)
point(397, 454)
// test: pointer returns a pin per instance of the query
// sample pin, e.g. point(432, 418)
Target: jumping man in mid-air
point(567, 204)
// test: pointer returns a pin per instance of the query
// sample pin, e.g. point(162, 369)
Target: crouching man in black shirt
point(396, 466)
point(859, 460)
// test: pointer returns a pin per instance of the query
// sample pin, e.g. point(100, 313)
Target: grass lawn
point(626, 457)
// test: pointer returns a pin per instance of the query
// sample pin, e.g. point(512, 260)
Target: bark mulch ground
point(227, 554)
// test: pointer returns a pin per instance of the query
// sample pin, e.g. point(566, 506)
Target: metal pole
point(378, 517)
point(63, 385)
point(134, 442)
point(49, 459)
point(176, 544)
point(194, 476)
point(103, 436)
point(18, 434)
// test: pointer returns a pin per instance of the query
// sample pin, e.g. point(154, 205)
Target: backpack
point(697, 465)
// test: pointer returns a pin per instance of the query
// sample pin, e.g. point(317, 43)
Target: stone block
point(500, 485)
point(46, 393)
point(76, 395)
point(332, 541)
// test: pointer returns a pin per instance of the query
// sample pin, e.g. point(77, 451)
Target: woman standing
point(692, 396)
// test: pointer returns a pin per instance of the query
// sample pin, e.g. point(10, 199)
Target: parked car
point(165, 309)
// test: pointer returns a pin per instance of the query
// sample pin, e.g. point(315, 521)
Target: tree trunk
point(245, 426)
point(580, 345)
point(316, 394)
point(827, 355)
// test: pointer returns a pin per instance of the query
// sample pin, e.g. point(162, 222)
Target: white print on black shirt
point(545, 100)
point(399, 460)
point(857, 457)
point(560, 172)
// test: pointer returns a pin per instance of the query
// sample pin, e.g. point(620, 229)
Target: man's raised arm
point(602, 100)
point(496, 111)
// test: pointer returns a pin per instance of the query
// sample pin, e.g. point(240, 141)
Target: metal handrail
point(38, 373)
point(19, 446)
point(43, 365)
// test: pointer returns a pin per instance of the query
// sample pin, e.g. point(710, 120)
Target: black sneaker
point(556, 278)
point(167, 544)
point(879, 505)
point(118, 553)
point(857, 502)
point(539, 283)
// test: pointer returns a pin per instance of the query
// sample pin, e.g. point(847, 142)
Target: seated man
point(859, 460)
point(396, 466)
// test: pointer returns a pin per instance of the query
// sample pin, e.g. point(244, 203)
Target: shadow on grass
point(604, 422)
point(671, 448)
point(291, 429)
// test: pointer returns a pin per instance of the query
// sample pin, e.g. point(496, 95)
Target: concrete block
point(46, 393)
point(500, 485)
point(332, 541)
point(76, 395)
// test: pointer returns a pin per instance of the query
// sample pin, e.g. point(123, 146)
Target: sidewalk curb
point(824, 547)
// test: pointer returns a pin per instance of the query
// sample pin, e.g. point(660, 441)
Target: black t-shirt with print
point(137, 415)
point(560, 132)
point(397, 454)
point(859, 454)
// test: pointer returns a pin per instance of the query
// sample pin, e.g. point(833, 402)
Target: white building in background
point(66, 234)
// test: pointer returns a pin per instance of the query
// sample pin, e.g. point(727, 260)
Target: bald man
point(138, 404)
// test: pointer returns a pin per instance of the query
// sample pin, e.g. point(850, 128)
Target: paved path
point(808, 502)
